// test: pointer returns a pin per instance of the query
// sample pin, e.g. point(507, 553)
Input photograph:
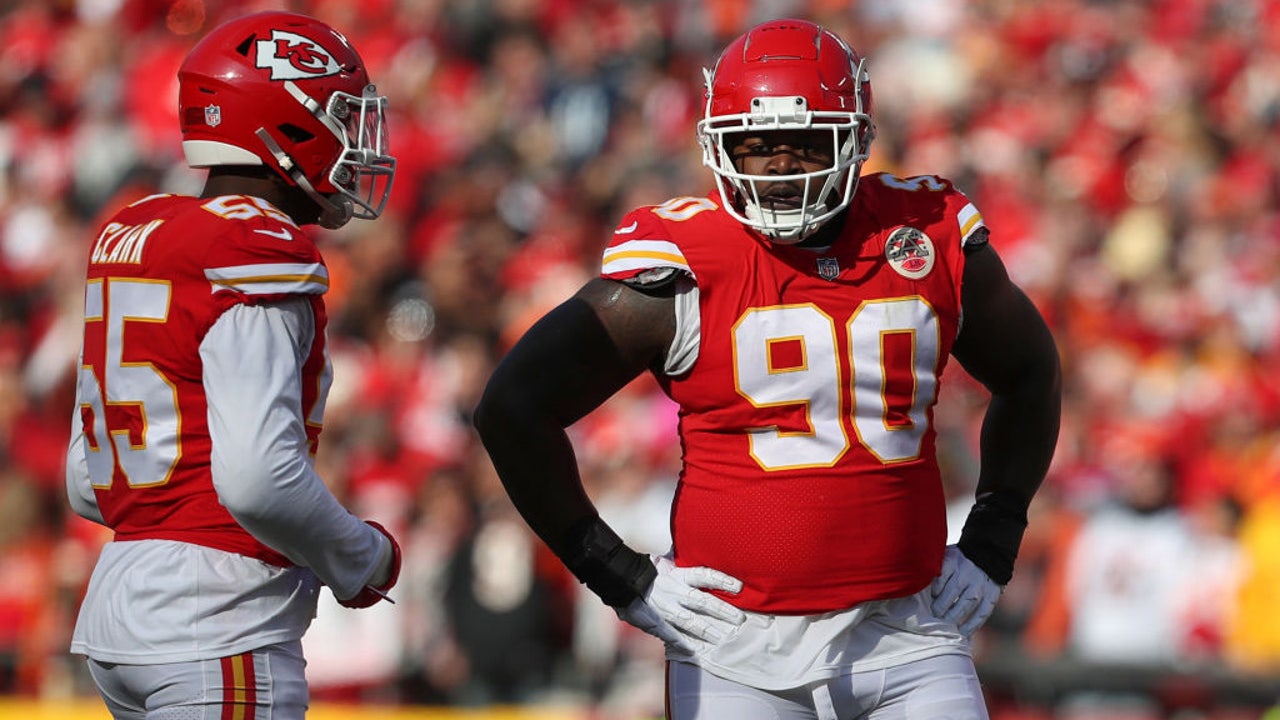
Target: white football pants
point(938, 688)
point(265, 684)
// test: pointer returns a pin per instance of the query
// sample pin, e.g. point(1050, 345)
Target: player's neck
point(826, 235)
point(260, 183)
point(240, 181)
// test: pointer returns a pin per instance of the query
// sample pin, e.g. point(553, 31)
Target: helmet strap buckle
point(333, 215)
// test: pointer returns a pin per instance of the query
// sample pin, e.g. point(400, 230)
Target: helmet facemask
point(362, 173)
point(825, 192)
point(364, 170)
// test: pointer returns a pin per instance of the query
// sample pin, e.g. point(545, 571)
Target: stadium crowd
point(1125, 154)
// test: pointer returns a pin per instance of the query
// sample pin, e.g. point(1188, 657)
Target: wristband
point(992, 534)
point(600, 560)
point(370, 594)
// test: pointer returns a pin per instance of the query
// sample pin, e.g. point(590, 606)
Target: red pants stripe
point(239, 689)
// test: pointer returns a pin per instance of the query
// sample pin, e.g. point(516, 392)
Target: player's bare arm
point(564, 367)
point(1006, 345)
point(568, 364)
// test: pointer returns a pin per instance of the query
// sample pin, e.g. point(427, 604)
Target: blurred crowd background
point(1125, 154)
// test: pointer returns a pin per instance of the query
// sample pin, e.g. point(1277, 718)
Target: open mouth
point(780, 202)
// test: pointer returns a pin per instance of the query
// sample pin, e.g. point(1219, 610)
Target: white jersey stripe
point(643, 254)
point(627, 264)
point(969, 220)
point(659, 246)
point(271, 278)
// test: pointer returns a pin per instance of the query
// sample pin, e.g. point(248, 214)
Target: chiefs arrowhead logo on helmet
point(290, 56)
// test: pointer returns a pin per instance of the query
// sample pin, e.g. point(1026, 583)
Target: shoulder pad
point(913, 183)
point(977, 240)
point(932, 190)
point(653, 281)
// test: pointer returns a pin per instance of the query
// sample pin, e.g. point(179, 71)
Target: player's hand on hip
point(677, 610)
point(962, 593)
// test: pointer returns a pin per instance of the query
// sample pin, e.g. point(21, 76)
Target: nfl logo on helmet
point(212, 116)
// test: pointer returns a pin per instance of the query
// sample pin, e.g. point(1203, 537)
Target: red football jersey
point(807, 419)
point(161, 271)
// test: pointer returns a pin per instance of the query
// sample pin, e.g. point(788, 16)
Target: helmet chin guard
point(787, 76)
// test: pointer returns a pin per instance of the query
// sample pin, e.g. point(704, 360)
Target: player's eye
point(814, 153)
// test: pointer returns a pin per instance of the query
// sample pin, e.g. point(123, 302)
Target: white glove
point(677, 611)
point(962, 592)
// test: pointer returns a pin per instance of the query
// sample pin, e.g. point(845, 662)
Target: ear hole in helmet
point(295, 133)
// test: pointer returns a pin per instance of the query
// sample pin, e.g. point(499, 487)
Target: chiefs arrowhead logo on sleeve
point(290, 56)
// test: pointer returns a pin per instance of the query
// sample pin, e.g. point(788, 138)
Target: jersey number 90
point(892, 351)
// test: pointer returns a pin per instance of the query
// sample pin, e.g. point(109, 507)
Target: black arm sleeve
point(565, 366)
point(1006, 345)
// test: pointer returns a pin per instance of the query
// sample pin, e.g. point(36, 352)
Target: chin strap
point(334, 212)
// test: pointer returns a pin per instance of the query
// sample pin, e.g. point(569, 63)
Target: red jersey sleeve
point(260, 255)
point(642, 243)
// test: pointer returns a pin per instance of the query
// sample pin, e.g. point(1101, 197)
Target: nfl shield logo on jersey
point(909, 252)
point(828, 268)
point(212, 115)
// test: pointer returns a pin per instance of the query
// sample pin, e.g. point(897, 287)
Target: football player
point(802, 316)
point(202, 386)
